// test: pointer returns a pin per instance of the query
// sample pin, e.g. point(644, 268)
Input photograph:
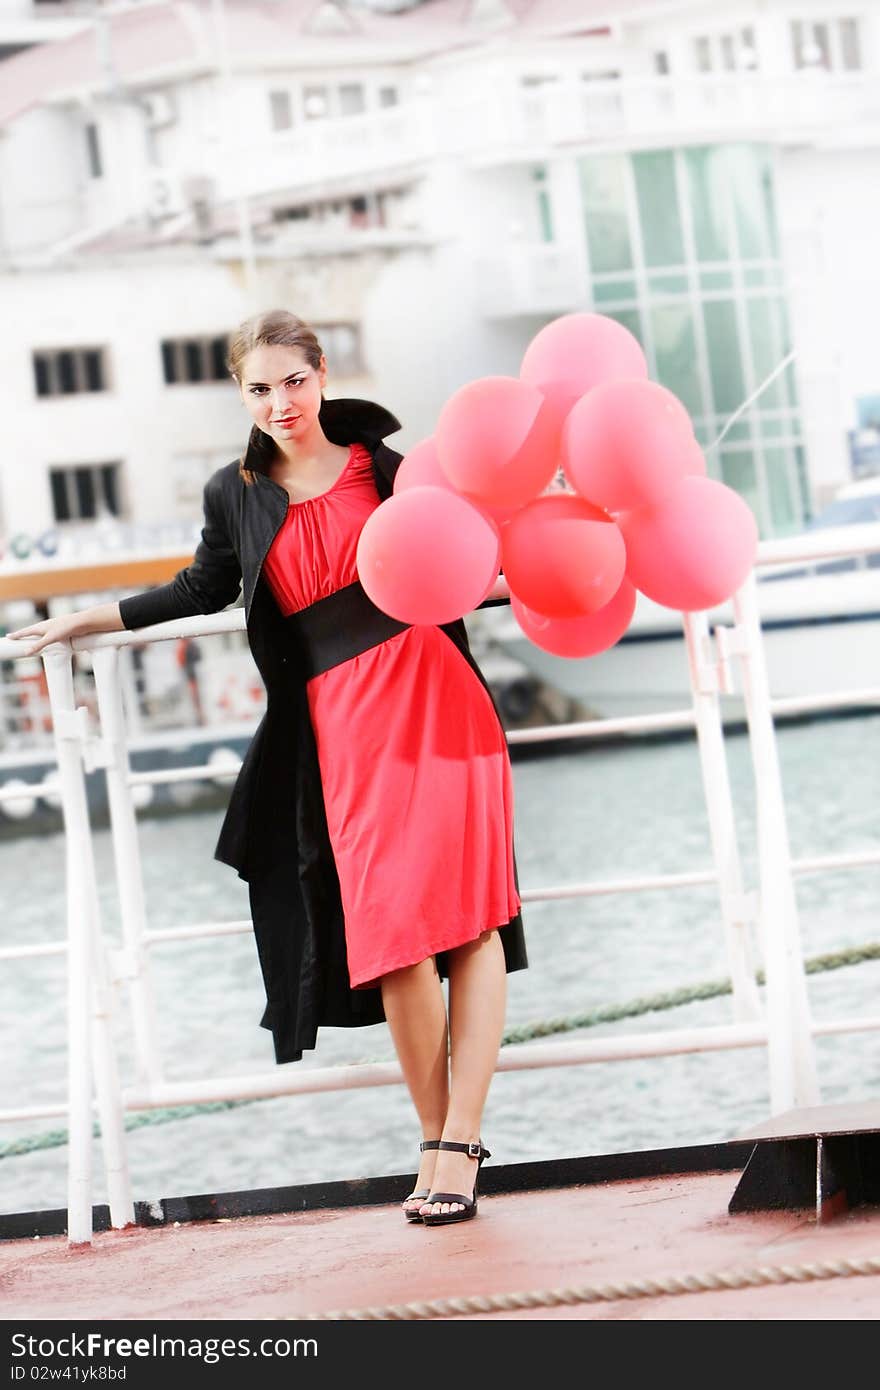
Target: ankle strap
point(429, 1144)
point(472, 1150)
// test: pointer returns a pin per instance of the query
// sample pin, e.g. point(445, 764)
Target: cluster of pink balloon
point(638, 513)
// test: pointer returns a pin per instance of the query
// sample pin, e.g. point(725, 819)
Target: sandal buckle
point(475, 1150)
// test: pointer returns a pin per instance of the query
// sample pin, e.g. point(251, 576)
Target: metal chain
point(528, 1032)
point(675, 1284)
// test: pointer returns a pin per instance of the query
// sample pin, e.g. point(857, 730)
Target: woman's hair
point(277, 328)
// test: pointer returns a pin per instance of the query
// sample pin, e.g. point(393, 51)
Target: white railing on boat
point(781, 1022)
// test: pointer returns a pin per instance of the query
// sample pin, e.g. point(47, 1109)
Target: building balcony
point(525, 278)
point(573, 113)
point(505, 121)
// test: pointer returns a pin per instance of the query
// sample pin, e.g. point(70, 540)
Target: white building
point(429, 186)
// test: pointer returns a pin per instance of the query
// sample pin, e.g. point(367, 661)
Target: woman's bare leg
point(477, 999)
point(416, 1014)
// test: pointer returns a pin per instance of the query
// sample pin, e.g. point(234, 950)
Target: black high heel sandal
point(446, 1218)
point(423, 1192)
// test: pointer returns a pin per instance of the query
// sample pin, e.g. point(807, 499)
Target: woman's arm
point(209, 583)
point(103, 617)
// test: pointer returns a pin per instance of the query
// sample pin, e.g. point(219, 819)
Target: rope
point(528, 1032)
point(675, 1284)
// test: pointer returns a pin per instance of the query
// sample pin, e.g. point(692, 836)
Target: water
point(607, 812)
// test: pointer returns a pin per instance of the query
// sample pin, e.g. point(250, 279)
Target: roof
point(155, 41)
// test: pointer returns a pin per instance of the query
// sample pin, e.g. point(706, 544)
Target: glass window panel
point(716, 280)
point(66, 369)
point(192, 354)
point(545, 215)
point(781, 480)
point(703, 55)
point(659, 215)
point(728, 56)
point(603, 190)
point(94, 370)
point(750, 177)
point(668, 284)
point(315, 103)
point(707, 186)
point(790, 378)
point(351, 99)
point(613, 290)
point(850, 44)
point(109, 489)
point(755, 278)
point(93, 147)
point(741, 432)
point(388, 96)
point(772, 428)
point(769, 344)
point(85, 492)
point(630, 319)
point(676, 351)
point(169, 366)
point(218, 359)
point(41, 375)
point(60, 504)
point(725, 364)
point(280, 110)
point(738, 471)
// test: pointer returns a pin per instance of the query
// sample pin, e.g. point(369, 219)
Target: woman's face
point(281, 391)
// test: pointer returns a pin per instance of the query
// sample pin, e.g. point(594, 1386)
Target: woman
point(372, 817)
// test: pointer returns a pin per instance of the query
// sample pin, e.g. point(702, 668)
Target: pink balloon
point(420, 466)
point(427, 556)
point(627, 443)
point(692, 550)
point(497, 441)
point(585, 636)
point(562, 556)
point(576, 352)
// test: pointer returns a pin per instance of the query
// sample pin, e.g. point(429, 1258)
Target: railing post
point(126, 850)
point(793, 1081)
point(81, 906)
point(722, 826)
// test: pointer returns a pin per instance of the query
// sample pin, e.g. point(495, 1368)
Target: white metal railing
point(781, 1023)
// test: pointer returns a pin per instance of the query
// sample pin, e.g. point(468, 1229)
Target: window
point(299, 213)
point(833, 44)
point(732, 51)
point(341, 344)
point(280, 110)
point(545, 210)
point(315, 103)
point(83, 492)
point(194, 359)
point(68, 371)
point(388, 96)
point(93, 151)
point(351, 99)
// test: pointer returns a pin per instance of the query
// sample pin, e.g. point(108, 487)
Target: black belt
point(340, 626)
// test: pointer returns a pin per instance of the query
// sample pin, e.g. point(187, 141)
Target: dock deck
point(627, 1226)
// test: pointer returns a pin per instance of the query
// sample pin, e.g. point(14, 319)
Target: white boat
point(819, 599)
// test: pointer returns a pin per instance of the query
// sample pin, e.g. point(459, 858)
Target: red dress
point(407, 738)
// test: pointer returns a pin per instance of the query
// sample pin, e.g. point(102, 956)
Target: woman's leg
point(416, 1014)
point(477, 998)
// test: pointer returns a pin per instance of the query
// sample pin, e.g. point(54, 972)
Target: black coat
point(275, 832)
